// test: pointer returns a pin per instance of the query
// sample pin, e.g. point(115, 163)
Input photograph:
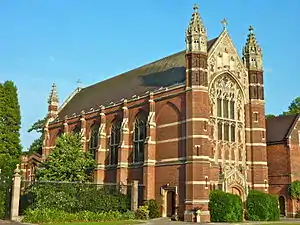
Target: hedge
point(74, 197)
point(59, 216)
point(262, 207)
point(5, 192)
point(153, 208)
point(225, 207)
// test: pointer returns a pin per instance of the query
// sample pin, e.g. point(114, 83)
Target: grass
point(128, 222)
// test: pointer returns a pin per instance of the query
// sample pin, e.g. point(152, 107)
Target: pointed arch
point(139, 136)
point(94, 137)
point(114, 141)
point(168, 113)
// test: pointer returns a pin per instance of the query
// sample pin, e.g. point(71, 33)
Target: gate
point(5, 196)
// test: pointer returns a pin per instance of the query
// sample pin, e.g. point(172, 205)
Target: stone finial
point(53, 98)
point(252, 52)
point(196, 38)
point(225, 23)
point(17, 170)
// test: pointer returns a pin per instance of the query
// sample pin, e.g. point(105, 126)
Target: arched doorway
point(282, 205)
point(170, 203)
point(237, 190)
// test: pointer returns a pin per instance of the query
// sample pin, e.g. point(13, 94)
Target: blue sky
point(61, 41)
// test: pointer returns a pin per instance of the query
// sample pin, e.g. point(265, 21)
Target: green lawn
point(129, 222)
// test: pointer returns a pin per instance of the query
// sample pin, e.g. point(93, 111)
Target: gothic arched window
point(115, 137)
point(227, 118)
point(93, 144)
point(139, 137)
point(77, 129)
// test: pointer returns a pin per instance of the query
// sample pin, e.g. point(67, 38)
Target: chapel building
point(182, 126)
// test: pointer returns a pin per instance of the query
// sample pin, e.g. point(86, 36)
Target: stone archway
point(237, 190)
point(169, 201)
point(282, 205)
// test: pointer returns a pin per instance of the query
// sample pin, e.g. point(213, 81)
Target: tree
point(294, 192)
point(294, 107)
point(37, 144)
point(67, 162)
point(268, 116)
point(10, 124)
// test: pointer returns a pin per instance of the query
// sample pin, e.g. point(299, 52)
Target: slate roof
point(278, 128)
point(161, 73)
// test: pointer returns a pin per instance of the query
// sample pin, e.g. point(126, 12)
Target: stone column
point(15, 198)
point(66, 126)
point(134, 195)
point(150, 153)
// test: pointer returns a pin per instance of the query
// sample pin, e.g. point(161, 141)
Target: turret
point(196, 38)
point(53, 103)
point(196, 52)
point(252, 53)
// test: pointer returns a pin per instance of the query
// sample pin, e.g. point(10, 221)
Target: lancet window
point(115, 137)
point(139, 137)
point(93, 144)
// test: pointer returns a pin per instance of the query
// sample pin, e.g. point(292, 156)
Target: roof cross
point(225, 23)
point(79, 83)
point(251, 29)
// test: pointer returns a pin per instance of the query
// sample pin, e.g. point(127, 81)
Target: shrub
point(262, 207)
point(225, 207)
point(72, 198)
point(5, 185)
point(59, 216)
point(142, 213)
point(153, 209)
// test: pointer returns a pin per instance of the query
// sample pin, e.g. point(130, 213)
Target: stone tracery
point(227, 120)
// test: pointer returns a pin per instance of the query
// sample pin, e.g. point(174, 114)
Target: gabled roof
point(279, 128)
point(161, 73)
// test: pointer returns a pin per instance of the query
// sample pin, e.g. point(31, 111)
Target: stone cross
point(225, 23)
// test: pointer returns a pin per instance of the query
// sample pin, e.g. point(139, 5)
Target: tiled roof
point(161, 73)
point(278, 128)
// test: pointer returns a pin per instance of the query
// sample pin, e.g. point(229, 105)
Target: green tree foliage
point(294, 107)
point(37, 144)
point(225, 207)
point(268, 116)
point(10, 124)
point(10, 147)
point(67, 162)
point(262, 207)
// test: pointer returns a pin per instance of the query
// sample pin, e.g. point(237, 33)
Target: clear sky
point(61, 41)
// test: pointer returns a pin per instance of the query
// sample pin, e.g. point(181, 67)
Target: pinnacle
point(53, 95)
point(195, 24)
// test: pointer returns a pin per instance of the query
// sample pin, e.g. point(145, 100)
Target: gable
point(279, 128)
point(161, 73)
point(223, 57)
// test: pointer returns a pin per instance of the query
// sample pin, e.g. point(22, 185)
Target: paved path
point(7, 222)
point(167, 221)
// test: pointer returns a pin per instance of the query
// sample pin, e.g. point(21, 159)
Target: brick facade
point(207, 132)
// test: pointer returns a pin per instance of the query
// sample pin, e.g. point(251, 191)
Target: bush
point(142, 213)
point(72, 198)
point(225, 207)
point(59, 216)
point(262, 207)
point(153, 209)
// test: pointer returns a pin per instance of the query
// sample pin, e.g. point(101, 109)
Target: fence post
point(15, 197)
point(134, 195)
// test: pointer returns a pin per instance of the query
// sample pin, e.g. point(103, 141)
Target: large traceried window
point(115, 137)
point(93, 144)
point(227, 118)
point(139, 137)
